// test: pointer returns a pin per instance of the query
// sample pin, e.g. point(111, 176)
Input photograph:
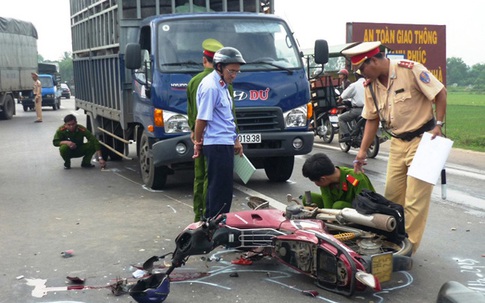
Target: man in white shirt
point(355, 92)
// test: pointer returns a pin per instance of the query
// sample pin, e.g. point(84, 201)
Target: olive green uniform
point(200, 176)
point(341, 195)
point(85, 150)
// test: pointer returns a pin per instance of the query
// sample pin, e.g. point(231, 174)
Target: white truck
point(18, 59)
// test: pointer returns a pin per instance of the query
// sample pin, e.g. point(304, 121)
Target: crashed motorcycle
point(342, 250)
point(356, 128)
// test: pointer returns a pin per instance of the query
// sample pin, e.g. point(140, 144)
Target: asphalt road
point(113, 223)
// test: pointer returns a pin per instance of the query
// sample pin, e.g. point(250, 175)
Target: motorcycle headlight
point(175, 123)
point(296, 117)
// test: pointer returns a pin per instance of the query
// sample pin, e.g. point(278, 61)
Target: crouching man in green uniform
point(70, 140)
point(338, 185)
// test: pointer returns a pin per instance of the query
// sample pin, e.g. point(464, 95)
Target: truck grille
point(262, 119)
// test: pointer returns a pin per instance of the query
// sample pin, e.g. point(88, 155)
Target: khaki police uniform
point(37, 92)
point(405, 105)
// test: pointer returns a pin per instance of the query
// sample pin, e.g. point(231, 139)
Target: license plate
point(249, 138)
point(382, 266)
point(333, 119)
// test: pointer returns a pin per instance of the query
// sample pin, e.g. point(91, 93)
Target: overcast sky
point(309, 19)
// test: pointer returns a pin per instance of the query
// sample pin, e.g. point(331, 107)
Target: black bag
point(369, 202)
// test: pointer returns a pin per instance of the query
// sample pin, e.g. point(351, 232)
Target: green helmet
point(228, 55)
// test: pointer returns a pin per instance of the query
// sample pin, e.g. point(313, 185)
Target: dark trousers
point(220, 167)
point(86, 151)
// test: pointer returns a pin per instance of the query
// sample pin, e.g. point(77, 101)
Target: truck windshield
point(46, 81)
point(265, 44)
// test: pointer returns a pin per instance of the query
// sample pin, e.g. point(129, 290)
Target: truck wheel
point(279, 169)
point(153, 177)
point(8, 109)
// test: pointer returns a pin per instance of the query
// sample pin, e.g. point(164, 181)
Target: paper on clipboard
point(243, 167)
point(430, 158)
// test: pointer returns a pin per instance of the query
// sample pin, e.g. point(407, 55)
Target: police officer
point(70, 140)
point(338, 185)
point(215, 129)
point(37, 92)
point(400, 93)
point(209, 46)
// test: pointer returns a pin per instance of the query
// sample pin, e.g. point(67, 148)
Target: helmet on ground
point(228, 55)
point(344, 72)
point(152, 289)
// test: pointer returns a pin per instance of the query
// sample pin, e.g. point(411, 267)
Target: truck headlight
point(175, 123)
point(296, 117)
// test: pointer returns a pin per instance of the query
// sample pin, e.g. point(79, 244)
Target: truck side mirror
point(133, 56)
point(321, 51)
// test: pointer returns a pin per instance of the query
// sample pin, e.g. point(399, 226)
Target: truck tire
point(8, 108)
point(279, 169)
point(153, 177)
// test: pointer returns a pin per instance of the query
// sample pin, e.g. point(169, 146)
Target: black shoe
point(89, 165)
point(67, 165)
point(37, 121)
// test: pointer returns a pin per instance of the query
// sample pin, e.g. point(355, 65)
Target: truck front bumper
point(45, 102)
point(273, 144)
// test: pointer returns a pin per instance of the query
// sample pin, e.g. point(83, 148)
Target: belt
point(408, 136)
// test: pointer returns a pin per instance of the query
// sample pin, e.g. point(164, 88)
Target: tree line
point(461, 75)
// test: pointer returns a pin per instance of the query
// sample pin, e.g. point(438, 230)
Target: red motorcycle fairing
point(248, 219)
point(321, 256)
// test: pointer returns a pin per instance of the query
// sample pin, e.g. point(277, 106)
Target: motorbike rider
point(354, 93)
point(343, 75)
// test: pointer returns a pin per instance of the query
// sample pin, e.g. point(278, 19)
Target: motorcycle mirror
point(368, 280)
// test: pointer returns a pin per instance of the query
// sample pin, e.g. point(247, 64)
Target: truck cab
point(51, 95)
point(155, 51)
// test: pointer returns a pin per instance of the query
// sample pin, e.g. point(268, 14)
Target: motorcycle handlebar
point(215, 222)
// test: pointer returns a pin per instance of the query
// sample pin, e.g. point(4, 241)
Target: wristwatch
point(440, 123)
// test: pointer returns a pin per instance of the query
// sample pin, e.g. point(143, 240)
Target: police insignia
point(406, 64)
point(424, 77)
point(352, 180)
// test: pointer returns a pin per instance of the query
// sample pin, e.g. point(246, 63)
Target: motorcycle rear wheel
point(373, 150)
point(344, 146)
point(327, 134)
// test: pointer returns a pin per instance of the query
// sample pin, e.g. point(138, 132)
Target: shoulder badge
point(351, 179)
point(424, 77)
point(63, 128)
point(406, 64)
point(81, 128)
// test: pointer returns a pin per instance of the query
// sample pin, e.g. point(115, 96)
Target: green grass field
point(465, 120)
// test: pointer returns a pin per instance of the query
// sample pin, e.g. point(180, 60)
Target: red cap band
point(358, 59)
point(209, 54)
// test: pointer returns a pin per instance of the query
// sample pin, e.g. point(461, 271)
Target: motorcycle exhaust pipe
point(378, 221)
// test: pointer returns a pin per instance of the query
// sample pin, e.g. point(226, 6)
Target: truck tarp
point(18, 54)
point(17, 27)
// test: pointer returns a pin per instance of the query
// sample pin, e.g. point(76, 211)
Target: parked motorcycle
point(338, 248)
point(356, 128)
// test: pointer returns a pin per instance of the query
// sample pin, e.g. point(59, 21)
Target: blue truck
point(49, 77)
point(133, 60)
